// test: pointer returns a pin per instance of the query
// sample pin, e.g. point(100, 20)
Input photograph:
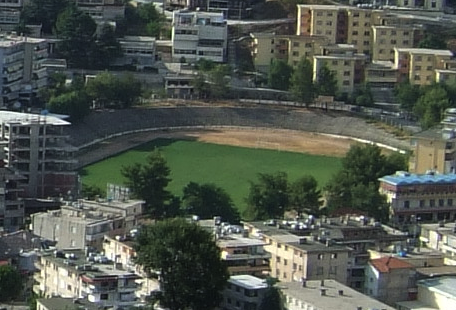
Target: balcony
point(245, 256)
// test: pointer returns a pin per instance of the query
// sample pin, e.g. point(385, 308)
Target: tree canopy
point(76, 104)
point(272, 299)
point(279, 74)
point(431, 105)
point(10, 283)
point(433, 41)
point(149, 181)
point(209, 200)
point(268, 198)
point(301, 82)
point(43, 12)
point(326, 83)
point(188, 262)
point(356, 184)
point(305, 195)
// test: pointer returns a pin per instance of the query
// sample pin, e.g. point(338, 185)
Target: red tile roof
point(385, 264)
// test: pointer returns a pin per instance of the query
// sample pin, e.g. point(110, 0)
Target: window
point(284, 275)
point(295, 266)
point(308, 45)
point(300, 267)
point(278, 259)
point(406, 204)
point(393, 41)
point(333, 255)
point(328, 32)
point(367, 33)
point(405, 42)
point(319, 22)
point(422, 203)
point(295, 44)
point(432, 202)
point(346, 73)
point(335, 62)
point(73, 230)
point(419, 58)
point(346, 83)
point(285, 262)
point(286, 248)
point(356, 14)
point(441, 202)
point(296, 54)
point(355, 24)
point(319, 13)
point(450, 202)
point(381, 51)
point(279, 245)
point(393, 32)
point(329, 23)
point(346, 63)
point(417, 68)
point(272, 51)
point(333, 270)
point(320, 256)
point(429, 68)
point(228, 301)
point(69, 287)
point(319, 271)
point(104, 296)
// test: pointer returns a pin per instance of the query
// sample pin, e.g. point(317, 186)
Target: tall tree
point(149, 181)
point(76, 30)
point(219, 83)
point(279, 74)
point(268, 198)
point(301, 82)
point(433, 41)
point(10, 283)
point(326, 82)
point(188, 263)
point(356, 184)
point(305, 195)
point(107, 48)
point(407, 94)
point(76, 104)
point(431, 105)
point(272, 299)
point(43, 12)
point(209, 200)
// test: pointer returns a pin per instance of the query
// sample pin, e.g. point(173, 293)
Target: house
point(390, 280)
point(243, 292)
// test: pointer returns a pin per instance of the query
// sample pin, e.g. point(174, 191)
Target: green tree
point(407, 94)
point(219, 82)
point(279, 74)
point(10, 283)
point(305, 195)
point(356, 184)
point(268, 198)
point(77, 33)
point(209, 200)
point(362, 96)
point(90, 192)
point(433, 41)
point(106, 48)
point(188, 263)
point(76, 104)
point(431, 105)
point(326, 82)
point(301, 82)
point(149, 181)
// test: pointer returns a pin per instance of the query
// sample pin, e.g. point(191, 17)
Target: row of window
point(432, 203)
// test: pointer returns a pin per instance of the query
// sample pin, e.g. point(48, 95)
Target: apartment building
point(380, 74)
point(198, 35)
point(440, 237)
point(294, 257)
point(348, 69)
point(243, 292)
point(358, 29)
point(387, 37)
point(418, 65)
point(427, 197)
point(138, 52)
point(37, 148)
point(79, 274)
point(10, 13)
point(11, 205)
point(80, 226)
point(327, 294)
point(390, 280)
point(434, 149)
point(102, 10)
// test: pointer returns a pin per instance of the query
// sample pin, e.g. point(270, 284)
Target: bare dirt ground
point(289, 140)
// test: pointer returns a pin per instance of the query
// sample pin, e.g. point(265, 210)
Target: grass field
point(227, 166)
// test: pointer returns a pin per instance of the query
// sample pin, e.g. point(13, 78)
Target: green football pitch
point(229, 167)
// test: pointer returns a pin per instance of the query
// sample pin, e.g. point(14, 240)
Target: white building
point(197, 35)
point(138, 51)
point(243, 292)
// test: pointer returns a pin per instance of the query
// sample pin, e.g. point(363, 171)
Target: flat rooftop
point(419, 179)
point(248, 282)
point(59, 303)
point(28, 118)
point(443, 286)
point(349, 300)
point(426, 51)
point(235, 240)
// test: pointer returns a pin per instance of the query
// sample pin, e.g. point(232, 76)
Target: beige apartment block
point(268, 46)
point(349, 69)
point(386, 38)
point(358, 29)
point(418, 65)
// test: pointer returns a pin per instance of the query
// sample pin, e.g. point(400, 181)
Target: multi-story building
point(243, 292)
point(434, 149)
point(418, 65)
point(390, 280)
point(358, 29)
point(348, 69)
point(290, 48)
point(422, 197)
point(295, 257)
point(387, 37)
point(36, 147)
point(11, 205)
point(440, 237)
point(198, 35)
point(84, 224)
point(10, 13)
point(327, 295)
point(138, 51)
point(79, 274)
point(59, 303)
point(102, 10)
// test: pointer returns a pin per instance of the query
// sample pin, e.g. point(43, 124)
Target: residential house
point(243, 292)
